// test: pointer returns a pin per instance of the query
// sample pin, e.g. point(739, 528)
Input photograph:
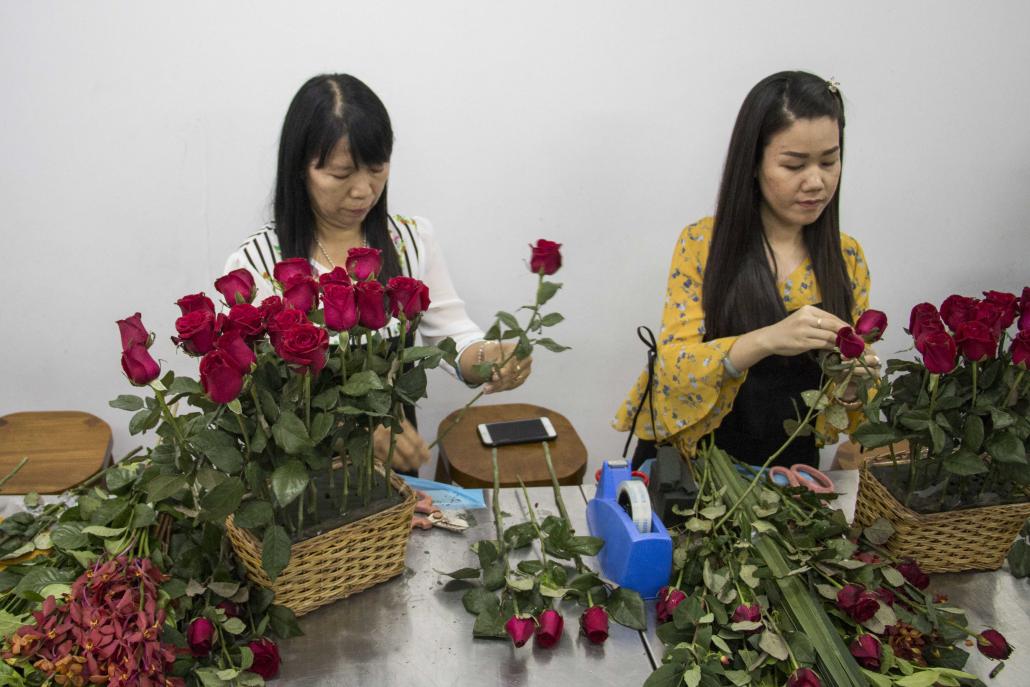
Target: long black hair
point(740, 293)
point(325, 109)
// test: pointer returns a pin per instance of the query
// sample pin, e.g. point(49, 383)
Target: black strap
point(652, 353)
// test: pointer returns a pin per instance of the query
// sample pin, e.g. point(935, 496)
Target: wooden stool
point(464, 459)
point(64, 448)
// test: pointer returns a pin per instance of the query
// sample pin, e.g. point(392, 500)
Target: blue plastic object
point(447, 496)
point(629, 558)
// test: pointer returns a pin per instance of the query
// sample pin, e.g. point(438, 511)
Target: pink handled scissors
point(802, 475)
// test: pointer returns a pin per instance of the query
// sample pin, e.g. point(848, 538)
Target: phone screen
point(517, 432)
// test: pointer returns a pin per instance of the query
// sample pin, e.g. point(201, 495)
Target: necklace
point(325, 253)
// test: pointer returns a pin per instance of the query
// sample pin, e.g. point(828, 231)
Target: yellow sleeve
point(691, 391)
point(858, 271)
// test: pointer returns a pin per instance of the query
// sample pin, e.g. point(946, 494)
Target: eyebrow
point(803, 156)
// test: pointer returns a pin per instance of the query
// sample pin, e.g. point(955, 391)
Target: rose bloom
point(1008, 303)
point(938, 350)
point(924, 317)
point(519, 629)
point(549, 628)
point(594, 623)
point(364, 263)
point(199, 635)
point(340, 307)
point(958, 309)
point(867, 651)
point(281, 322)
point(300, 292)
point(545, 257)
point(871, 325)
point(338, 276)
point(408, 296)
point(284, 270)
point(266, 658)
point(748, 613)
point(271, 306)
point(851, 345)
point(976, 341)
point(1021, 349)
point(139, 366)
point(858, 603)
point(1024, 310)
point(239, 352)
point(992, 315)
point(245, 319)
point(196, 332)
point(992, 644)
point(371, 305)
point(236, 287)
point(196, 301)
point(668, 600)
point(220, 376)
point(804, 677)
point(304, 345)
point(132, 332)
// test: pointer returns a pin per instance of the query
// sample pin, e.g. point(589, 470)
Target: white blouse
point(420, 257)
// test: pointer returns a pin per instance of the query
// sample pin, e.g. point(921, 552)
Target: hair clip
point(832, 85)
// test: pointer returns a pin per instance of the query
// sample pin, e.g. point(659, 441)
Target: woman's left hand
point(512, 374)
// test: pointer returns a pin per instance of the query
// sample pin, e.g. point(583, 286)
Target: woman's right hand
point(806, 329)
point(410, 451)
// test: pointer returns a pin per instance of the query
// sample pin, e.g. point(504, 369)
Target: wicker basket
point(953, 541)
point(337, 563)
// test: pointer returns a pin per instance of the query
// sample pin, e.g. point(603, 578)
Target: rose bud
point(300, 292)
point(519, 629)
point(668, 600)
point(854, 600)
point(196, 332)
point(871, 325)
point(867, 651)
point(1024, 310)
point(196, 301)
point(199, 635)
point(241, 355)
point(911, 571)
point(266, 658)
point(924, 317)
point(245, 319)
point(306, 346)
point(548, 629)
point(938, 350)
point(1009, 305)
point(804, 677)
point(958, 309)
point(1021, 349)
point(976, 341)
point(748, 613)
point(220, 376)
point(236, 287)
point(283, 321)
point(133, 332)
point(992, 644)
point(340, 307)
point(139, 366)
point(851, 345)
point(292, 267)
point(371, 306)
point(725, 661)
point(408, 296)
point(271, 306)
point(364, 263)
point(545, 258)
point(231, 609)
point(338, 276)
point(594, 623)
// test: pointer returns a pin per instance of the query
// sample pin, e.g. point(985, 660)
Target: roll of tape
point(632, 495)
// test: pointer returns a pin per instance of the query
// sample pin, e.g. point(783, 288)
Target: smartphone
point(517, 431)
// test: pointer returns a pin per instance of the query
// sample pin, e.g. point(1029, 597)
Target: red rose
point(976, 341)
point(196, 332)
point(519, 629)
point(300, 292)
point(270, 306)
point(1024, 310)
point(284, 270)
point(371, 307)
point(548, 629)
point(306, 346)
point(668, 600)
point(804, 677)
point(231, 609)
point(220, 375)
point(239, 352)
point(867, 651)
point(408, 296)
point(924, 317)
point(1021, 349)
point(851, 345)
point(139, 366)
point(199, 635)
point(938, 350)
point(133, 332)
point(196, 301)
point(915, 576)
point(858, 603)
point(246, 320)
point(958, 309)
point(1008, 303)
point(748, 613)
point(545, 258)
point(992, 315)
point(871, 325)
point(282, 321)
point(337, 276)
point(594, 623)
point(992, 644)
point(885, 595)
point(236, 287)
point(364, 263)
point(340, 306)
point(266, 658)
point(867, 557)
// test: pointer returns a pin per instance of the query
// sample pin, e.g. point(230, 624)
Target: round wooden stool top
point(466, 461)
point(64, 448)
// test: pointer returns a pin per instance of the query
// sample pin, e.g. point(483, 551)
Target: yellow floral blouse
point(692, 391)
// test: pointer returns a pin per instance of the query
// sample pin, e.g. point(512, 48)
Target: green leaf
point(411, 386)
point(583, 545)
point(876, 435)
point(546, 291)
point(740, 678)
point(419, 353)
point(509, 321)
point(668, 675)
point(486, 550)
point(877, 679)
point(973, 433)
point(1006, 447)
point(551, 345)
point(462, 573)
point(892, 576)
point(275, 551)
point(489, 624)
point(937, 437)
point(964, 462)
point(321, 426)
point(289, 481)
point(224, 589)
point(144, 420)
point(801, 647)
point(627, 608)
point(520, 535)
point(879, 532)
point(923, 678)
point(814, 398)
point(127, 402)
point(713, 512)
point(327, 399)
point(185, 385)
point(493, 576)
point(522, 583)
point(253, 514)
point(551, 319)
point(692, 676)
point(773, 644)
point(283, 622)
point(838, 417)
point(361, 383)
point(164, 486)
point(69, 537)
point(477, 600)
point(531, 567)
point(104, 532)
point(290, 433)
point(39, 578)
point(217, 504)
point(234, 626)
point(142, 516)
point(748, 575)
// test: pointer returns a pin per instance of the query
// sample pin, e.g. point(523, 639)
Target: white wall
point(137, 147)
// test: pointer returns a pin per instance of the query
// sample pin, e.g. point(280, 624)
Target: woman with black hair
point(330, 197)
point(755, 291)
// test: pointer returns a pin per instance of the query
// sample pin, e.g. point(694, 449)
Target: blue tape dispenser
point(637, 552)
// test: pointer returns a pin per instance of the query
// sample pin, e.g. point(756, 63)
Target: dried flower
point(914, 574)
point(992, 644)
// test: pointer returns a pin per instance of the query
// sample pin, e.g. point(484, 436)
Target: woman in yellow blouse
point(756, 290)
